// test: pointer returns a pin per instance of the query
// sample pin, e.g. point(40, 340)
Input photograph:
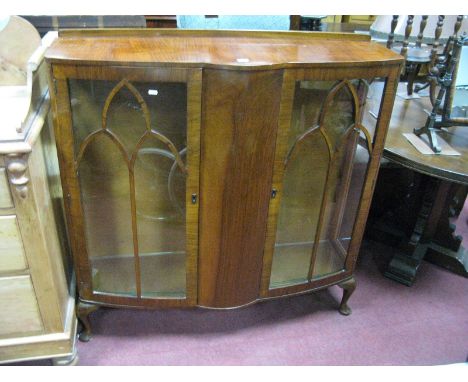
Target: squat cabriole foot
point(348, 288)
point(83, 311)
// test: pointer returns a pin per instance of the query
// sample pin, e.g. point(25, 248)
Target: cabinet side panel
point(239, 125)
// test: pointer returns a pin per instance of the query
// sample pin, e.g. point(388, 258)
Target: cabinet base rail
point(85, 308)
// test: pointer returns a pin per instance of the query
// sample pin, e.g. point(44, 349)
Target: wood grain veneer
point(240, 119)
point(241, 90)
point(225, 50)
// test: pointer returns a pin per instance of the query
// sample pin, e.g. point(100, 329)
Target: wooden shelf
point(162, 275)
point(293, 259)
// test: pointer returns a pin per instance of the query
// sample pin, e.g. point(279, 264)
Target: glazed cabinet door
point(128, 141)
point(322, 159)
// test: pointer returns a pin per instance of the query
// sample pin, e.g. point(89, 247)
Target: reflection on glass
point(137, 164)
point(320, 197)
point(160, 210)
point(337, 123)
point(303, 185)
point(308, 100)
point(360, 163)
point(330, 256)
point(371, 105)
point(167, 103)
point(125, 118)
point(87, 99)
point(338, 116)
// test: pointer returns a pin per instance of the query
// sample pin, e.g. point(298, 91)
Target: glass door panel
point(324, 170)
point(330, 256)
point(300, 209)
point(87, 99)
point(359, 171)
point(125, 117)
point(105, 195)
point(130, 144)
point(160, 212)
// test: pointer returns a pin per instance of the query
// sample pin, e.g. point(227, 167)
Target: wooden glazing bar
point(131, 176)
point(348, 171)
point(356, 103)
point(172, 149)
point(331, 95)
point(383, 121)
point(298, 141)
point(367, 136)
point(331, 158)
point(124, 83)
point(84, 145)
point(93, 136)
point(323, 206)
point(339, 247)
point(351, 150)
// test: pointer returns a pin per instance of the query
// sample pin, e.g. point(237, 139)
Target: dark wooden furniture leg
point(348, 288)
point(446, 248)
point(404, 265)
point(83, 310)
point(418, 88)
point(413, 70)
point(430, 235)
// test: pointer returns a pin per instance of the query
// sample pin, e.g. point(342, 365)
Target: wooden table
point(417, 194)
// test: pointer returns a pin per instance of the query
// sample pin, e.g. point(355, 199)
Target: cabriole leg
point(348, 288)
point(83, 311)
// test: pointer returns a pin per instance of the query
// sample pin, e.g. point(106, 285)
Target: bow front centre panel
point(215, 169)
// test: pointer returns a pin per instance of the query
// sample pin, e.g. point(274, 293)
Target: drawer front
point(19, 312)
point(5, 196)
point(12, 257)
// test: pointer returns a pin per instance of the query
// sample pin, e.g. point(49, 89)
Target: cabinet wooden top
point(226, 49)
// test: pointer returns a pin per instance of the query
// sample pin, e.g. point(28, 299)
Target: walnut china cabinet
point(215, 169)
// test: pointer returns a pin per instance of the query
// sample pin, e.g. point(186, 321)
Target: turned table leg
point(413, 73)
point(348, 288)
point(83, 311)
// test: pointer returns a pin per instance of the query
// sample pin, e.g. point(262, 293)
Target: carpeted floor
point(391, 324)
